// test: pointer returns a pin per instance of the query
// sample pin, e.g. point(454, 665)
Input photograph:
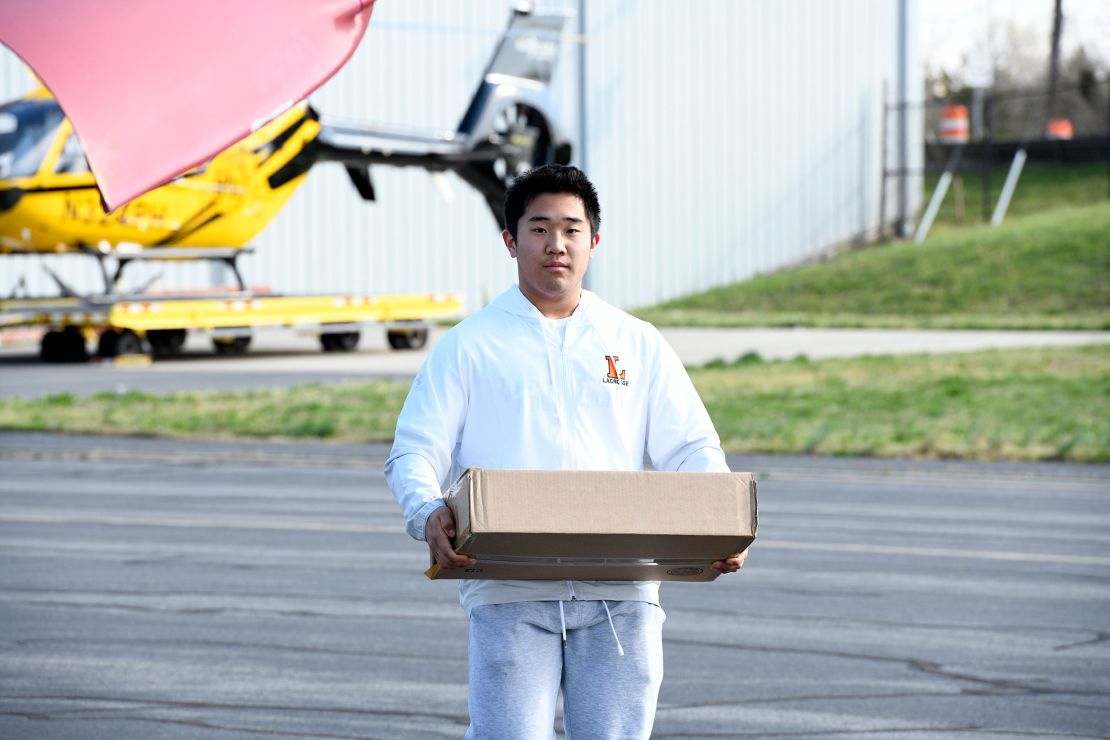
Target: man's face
point(552, 248)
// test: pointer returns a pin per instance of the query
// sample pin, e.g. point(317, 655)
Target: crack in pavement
point(193, 611)
point(153, 703)
point(824, 592)
point(190, 723)
point(943, 731)
point(852, 697)
point(938, 626)
point(923, 666)
point(189, 594)
point(1072, 704)
point(236, 644)
point(804, 697)
point(1099, 637)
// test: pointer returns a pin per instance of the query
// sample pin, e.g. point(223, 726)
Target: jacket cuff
point(419, 521)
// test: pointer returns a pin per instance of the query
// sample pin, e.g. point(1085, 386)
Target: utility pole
point(1054, 60)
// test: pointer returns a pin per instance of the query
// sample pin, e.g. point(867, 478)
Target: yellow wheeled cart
point(158, 324)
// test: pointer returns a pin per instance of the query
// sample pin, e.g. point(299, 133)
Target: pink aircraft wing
point(156, 88)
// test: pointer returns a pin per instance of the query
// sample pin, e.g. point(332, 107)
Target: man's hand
point(731, 564)
point(439, 531)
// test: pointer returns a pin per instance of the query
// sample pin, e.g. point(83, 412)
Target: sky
point(952, 28)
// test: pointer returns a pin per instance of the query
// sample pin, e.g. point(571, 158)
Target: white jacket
point(504, 390)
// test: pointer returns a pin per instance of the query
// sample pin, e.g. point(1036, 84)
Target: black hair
point(551, 178)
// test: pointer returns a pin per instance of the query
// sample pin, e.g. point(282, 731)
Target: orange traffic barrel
point(954, 126)
point(1058, 129)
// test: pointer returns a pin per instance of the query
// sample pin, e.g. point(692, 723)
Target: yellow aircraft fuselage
point(49, 202)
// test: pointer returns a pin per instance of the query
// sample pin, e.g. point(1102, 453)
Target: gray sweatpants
point(518, 666)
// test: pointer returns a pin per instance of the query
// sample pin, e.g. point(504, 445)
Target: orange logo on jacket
point(613, 377)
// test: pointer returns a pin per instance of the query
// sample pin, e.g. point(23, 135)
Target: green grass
point(1048, 270)
point(1043, 404)
point(342, 411)
point(1046, 267)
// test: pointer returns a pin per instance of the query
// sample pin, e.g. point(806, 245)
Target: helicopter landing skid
point(125, 256)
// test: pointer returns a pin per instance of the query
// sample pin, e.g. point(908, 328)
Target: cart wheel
point(339, 341)
point(114, 343)
point(231, 345)
point(67, 345)
point(407, 338)
point(50, 349)
point(166, 341)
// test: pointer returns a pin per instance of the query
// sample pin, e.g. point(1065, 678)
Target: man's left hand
point(731, 564)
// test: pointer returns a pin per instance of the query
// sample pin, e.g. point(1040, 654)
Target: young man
point(549, 376)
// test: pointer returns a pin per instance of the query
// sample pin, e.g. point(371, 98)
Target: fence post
point(987, 154)
point(882, 164)
point(903, 123)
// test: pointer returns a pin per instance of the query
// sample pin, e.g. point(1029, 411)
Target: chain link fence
point(1020, 115)
point(996, 135)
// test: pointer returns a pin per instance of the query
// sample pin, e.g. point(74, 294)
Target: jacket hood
point(514, 302)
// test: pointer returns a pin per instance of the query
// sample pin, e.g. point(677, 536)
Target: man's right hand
point(439, 531)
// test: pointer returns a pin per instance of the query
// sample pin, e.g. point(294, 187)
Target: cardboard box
point(606, 526)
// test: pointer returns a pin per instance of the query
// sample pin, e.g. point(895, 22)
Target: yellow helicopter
point(49, 203)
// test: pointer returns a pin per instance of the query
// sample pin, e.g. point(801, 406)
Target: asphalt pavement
point(281, 358)
point(170, 589)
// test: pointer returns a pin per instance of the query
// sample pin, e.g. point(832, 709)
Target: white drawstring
point(609, 614)
point(620, 650)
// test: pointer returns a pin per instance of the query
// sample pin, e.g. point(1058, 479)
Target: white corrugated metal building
point(726, 139)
